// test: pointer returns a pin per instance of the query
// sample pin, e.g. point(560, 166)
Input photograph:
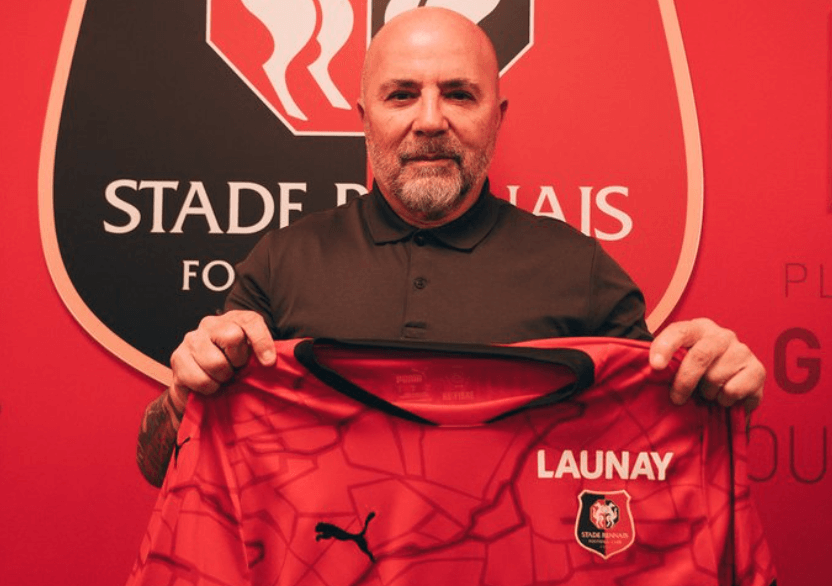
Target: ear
point(360, 106)
point(503, 108)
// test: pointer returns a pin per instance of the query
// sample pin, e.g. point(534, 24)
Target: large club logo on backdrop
point(301, 57)
point(178, 133)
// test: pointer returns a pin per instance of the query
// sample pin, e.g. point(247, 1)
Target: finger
point(722, 370)
point(188, 375)
point(662, 348)
point(219, 347)
point(236, 350)
point(677, 335)
point(710, 390)
point(227, 334)
point(745, 385)
point(257, 335)
point(734, 376)
point(696, 363)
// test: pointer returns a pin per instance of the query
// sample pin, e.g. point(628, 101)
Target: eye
point(400, 96)
point(460, 96)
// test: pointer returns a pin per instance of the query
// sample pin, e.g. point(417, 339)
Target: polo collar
point(464, 233)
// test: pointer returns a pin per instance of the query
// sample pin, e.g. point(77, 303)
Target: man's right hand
point(206, 358)
point(210, 355)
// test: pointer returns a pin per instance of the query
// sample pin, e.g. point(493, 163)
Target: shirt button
point(419, 239)
point(420, 282)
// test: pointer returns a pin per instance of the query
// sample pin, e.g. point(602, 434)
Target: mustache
point(433, 148)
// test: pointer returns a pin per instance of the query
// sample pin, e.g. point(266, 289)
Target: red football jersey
point(548, 462)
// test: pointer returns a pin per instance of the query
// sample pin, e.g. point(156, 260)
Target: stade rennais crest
point(177, 133)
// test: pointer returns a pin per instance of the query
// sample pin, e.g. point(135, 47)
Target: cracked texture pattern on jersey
point(287, 481)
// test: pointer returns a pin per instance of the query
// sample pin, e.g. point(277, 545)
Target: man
point(430, 254)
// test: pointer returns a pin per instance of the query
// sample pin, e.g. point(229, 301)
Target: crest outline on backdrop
point(694, 168)
point(93, 324)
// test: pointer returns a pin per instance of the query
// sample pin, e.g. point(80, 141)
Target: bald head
point(431, 110)
point(430, 27)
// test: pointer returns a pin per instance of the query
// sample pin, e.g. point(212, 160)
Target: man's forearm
point(157, 436)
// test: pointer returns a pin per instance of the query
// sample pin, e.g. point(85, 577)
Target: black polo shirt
point(496, 274)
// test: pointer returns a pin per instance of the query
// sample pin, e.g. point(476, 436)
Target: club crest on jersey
point(605, 524)
point(302, 58)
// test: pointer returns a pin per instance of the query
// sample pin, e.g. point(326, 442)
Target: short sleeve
point(616, 303)
point(252, 283)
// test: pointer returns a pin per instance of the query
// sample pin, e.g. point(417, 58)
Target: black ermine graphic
point(176, 448)
point(330, 531)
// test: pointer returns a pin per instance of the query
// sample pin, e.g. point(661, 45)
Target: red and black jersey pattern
point(548, 462)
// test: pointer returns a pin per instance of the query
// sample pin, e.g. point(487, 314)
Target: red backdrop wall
point(72, 503)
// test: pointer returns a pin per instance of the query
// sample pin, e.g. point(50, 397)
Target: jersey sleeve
point(741, 547)
point(753, 562)
point(195, 531)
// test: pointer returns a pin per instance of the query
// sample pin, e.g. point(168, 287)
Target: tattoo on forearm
point(157, 438)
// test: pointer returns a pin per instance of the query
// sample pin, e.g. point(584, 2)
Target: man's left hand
point(723, 368)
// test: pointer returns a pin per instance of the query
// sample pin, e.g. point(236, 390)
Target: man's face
point(431, 113)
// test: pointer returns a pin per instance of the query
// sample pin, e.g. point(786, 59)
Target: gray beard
point(432, 193)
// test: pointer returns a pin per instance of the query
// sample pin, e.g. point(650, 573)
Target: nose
point(430, 118)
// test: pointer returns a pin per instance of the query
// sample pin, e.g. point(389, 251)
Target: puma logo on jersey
point(606, 464)
point(176, 448)
point(330, 531)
